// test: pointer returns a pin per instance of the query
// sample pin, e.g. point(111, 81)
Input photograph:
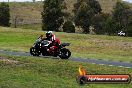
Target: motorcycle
point(40, 47)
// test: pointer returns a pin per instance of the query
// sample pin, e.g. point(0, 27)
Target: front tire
point(64, 53)
point(34, 51)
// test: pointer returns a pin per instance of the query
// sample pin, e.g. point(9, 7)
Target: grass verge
point(34, 72)
point(103, 47)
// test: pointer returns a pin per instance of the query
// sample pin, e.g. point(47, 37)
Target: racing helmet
point(49, 34)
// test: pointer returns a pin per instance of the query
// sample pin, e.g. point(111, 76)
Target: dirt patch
point(113, 44)
point(8, 60)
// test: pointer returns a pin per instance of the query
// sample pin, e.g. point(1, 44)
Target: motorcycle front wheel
point(64, 53)
point(34, 51)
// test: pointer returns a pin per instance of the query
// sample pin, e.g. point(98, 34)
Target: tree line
point(4, 15)
point(87, 14)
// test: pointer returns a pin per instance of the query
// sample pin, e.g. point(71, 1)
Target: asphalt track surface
point(86, 60)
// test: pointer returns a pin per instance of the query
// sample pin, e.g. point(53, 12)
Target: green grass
point(33, 72)
point(85, 46)
point(82, 45)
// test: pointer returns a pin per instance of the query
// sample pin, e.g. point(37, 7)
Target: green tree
point(52, 15)
point(4, 15)
point(129, 30)
point(109, 26)
point(84, 10)
point(98, 22)
point(69, 27)
point(121, 15)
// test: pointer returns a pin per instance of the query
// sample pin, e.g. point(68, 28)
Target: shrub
point(4, 15)
point(129, 31)
point(68, 27)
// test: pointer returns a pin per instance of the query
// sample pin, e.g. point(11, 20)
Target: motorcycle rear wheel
point(64, 53)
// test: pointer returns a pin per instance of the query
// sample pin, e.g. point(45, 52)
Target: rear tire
point(64, 53)
point(34, 51)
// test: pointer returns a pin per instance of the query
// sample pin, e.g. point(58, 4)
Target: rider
point(50, 36)
point(40, 37)
point(52, 48)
